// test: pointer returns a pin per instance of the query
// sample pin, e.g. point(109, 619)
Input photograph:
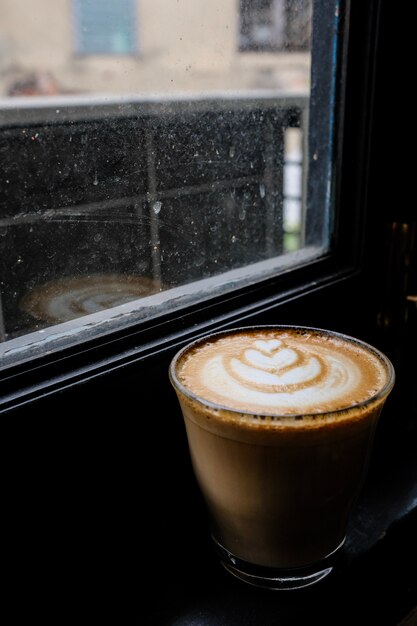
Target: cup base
point(277, 578)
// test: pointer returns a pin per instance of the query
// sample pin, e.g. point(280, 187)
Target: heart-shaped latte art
point(273, 362)
point(267, 346)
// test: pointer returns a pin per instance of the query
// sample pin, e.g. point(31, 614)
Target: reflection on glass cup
point(280, 422)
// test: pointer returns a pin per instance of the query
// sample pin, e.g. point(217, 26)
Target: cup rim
point(383, 392)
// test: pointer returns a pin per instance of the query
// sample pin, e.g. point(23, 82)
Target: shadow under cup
point(279, 488)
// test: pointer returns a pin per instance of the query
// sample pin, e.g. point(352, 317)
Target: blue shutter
point(105, 26)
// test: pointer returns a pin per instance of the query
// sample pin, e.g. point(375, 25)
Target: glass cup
point(280, 477)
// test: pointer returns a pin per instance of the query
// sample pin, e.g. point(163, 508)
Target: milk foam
point(282, 372)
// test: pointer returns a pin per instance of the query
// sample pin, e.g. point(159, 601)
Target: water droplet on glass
point(157, 206)
point(234, 238)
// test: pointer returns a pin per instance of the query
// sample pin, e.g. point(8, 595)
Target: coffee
point(280, 423)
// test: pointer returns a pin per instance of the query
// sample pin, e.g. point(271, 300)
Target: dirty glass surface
point(153, 153)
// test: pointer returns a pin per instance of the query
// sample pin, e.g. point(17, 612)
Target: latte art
point(282, 372)
point(272, 367)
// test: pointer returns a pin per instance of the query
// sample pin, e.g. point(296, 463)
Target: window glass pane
point(135, 185)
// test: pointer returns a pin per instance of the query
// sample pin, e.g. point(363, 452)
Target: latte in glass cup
point(280, 423)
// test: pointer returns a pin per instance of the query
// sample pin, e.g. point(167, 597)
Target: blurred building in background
point(153, 46)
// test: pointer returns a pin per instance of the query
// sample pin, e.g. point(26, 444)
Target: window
point(105, 27)
point(121, 209)
point(122, 206)
point(275, 25)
